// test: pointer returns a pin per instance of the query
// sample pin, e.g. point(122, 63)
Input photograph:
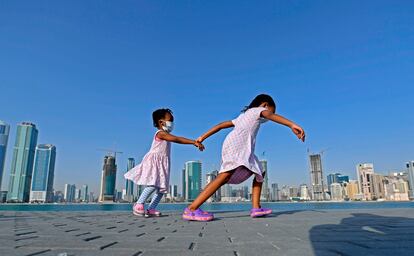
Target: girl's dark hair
point(261, 98)
point(159, 114)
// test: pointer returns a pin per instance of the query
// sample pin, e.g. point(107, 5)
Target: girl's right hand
point(299, 132)
point(199, 139)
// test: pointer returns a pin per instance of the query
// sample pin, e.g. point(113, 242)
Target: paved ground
point(333, 232)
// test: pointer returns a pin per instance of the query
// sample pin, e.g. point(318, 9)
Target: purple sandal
point(197, 215)
point(259, 212)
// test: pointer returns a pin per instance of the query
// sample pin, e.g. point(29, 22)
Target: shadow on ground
point(364, 234)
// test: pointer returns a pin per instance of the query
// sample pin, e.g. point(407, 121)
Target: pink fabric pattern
point(238, 148)
point(154, 169)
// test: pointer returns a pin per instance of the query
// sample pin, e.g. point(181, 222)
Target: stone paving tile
point(334, 232)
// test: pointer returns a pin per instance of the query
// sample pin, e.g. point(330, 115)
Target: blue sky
point(89, 74)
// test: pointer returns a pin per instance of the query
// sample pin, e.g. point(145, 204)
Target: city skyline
point(131, 162)
point(92, 81)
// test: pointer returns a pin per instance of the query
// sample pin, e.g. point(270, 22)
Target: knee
point(225, 177)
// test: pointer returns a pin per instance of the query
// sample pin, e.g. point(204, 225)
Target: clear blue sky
point(89, 74)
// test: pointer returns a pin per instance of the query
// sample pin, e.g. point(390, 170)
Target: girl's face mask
point(168, 126)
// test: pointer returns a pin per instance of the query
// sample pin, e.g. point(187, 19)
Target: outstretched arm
point(223, 125)
point(296, 129)
point(181, 140)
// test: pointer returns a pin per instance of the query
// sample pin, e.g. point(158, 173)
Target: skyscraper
point(22, 163)
point(275, 192)
point(108, 179)
point(191, 180)
point(410, 171)
point(304, 192)
point(336, 192)
point(364, 172)
point(84, 193)
point(4, 137)
point(129, 185)
point(69, 193)
point(336, 178)
point(264, 196)
point(43, 174)
point(318, 192)
point(209, 178)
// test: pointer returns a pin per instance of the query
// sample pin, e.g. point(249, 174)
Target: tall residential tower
point(43, 174)
point(4, 136)
point(22, 163)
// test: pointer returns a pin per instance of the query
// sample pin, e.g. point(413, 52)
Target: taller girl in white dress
point(238, 161)
point(154, 169)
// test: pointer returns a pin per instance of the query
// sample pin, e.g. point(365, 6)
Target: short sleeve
point(255, 112)
point(235, 120)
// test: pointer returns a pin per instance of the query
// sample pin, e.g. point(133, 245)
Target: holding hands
point(199, 145)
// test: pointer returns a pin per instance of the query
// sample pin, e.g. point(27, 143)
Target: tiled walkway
point(333, 232)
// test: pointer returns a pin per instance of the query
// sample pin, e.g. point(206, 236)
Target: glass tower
point(4, 136)
point(43, 174)
point(22, 163)
point(129, 185)
point(192, 180)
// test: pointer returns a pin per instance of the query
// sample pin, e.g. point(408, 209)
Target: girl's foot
point(259, 212)
point(153, 212)
point(197, 215)
point(138, 209)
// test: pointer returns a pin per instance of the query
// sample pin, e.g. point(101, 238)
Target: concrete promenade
point(331, 232)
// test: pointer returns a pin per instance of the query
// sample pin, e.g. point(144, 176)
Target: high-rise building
point(332, 178)
point(396, 187)
point(377, 186)
point(336, 178)
point(108, 180)
point(77, 194)
point(43, 174)
point(226, 191)
point(317, 183)
point(192, 180)
point(293, 192)
point(173, 191)
point(84, 193)
point(216, 197)
point(352, 190)
point(264, 196)
point(129, 184)
point(364, 172)
point(336, 192)
point(4, 137)
point(69, 193)
point(22, 163)
point(304, 192)
point(274, 192)
point(410, 171)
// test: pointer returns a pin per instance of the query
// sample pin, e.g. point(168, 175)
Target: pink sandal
point(260, 212)
point(197, 215)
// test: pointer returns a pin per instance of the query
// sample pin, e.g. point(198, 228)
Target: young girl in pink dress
point(154, 170)
point(238, 159)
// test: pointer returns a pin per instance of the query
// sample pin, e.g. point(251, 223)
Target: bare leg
point(210, 189)
point(256, 191)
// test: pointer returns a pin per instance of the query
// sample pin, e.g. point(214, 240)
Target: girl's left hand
point(299, 132)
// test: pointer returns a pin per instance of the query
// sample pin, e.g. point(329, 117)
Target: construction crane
point(110, 152)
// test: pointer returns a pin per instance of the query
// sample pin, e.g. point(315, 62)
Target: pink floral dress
point(238, 147)
point(154, 169)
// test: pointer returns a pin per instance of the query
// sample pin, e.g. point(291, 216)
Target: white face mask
point(168, 127)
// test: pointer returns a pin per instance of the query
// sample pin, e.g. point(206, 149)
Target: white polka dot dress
point(154, 169)
point(238, 147)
